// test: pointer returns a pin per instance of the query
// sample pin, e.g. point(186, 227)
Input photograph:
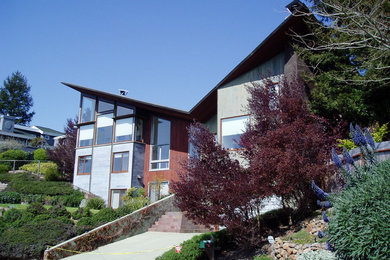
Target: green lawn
point(24, 206)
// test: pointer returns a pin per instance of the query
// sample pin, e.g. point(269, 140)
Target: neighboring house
point(24, 134)
point(125, 143)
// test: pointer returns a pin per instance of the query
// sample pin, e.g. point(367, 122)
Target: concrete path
point(145, 246)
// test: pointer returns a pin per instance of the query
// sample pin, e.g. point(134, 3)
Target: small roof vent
point(123, 92)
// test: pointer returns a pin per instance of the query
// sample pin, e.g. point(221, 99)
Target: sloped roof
point(137, 103)
point(48, 131)
point(271, 46)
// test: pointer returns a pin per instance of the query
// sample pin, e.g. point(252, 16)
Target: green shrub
point(51, 174)
point(58, 211)
point(81, 212)
point(3, 169)
point(12, 215)
point(72, 200)
point(359, 228)
point(40, 154)
point(274, 218)
point(317, 255)
point(190, 248)
point(10, 197)
point(95, 203)
point(30, 198)
point(36, 209)
point(46, 168)
point(13, 155)
point(132, 204)
point(103, 216)
point(124, 210)
point(28, 184)
point(30, 240)
point(41, 218)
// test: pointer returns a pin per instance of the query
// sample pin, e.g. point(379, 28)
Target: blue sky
point(169, 52)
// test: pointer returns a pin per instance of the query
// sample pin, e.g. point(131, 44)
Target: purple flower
point(358, 136)
point(369, 138)
point(336, 159)
point(348, 157)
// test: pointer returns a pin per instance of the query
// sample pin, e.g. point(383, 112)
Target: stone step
point(177, 222)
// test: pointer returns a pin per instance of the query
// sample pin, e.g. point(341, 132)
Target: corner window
point(85, 164)
point(231, 130)
point(87, 109)
point(86, 135)
point(123, 111)
point(120, 162)
point(160, 144)
point(139, 130)
point(124, 129)
point(104, 127)
point(104, 106)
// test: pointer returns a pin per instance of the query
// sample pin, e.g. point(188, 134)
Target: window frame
point(82, 157)
point(96, 128)
point(80, 121)
point(113, 162)
point(221, 136)
point(151, 161)
point(120, 197)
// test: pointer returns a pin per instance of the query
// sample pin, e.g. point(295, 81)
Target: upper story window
point(139, 130)
point(160, 144)
point(231, 130)
point(104, 106)
point(122, 110)
point(86, 135)
point(87, 109)
point(124, 129)
point(104, 127)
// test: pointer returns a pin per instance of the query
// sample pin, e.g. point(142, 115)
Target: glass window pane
point(121, 111)
point(155, 153)
point(105, 106)
point(161, 135)
point(124, 130)
point(117, 162)
point(125, 162)
point(154, 166)
point(88, 109)
point(104, 129)
point(139, 130)
point(88, 164)
point(232, 128)
point(161, 131)
point(81, 165)
point(164, 150)
point(86, 135)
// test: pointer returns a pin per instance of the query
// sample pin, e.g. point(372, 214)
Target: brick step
point(177, 222)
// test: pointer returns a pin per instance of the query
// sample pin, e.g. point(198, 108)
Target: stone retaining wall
point(135, 223)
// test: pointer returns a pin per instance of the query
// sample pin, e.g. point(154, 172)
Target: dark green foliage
point(42, 218)
point(190, 248)
point(360, 228)
point(30, 198)
point(30, 240)
point(125, 210)
point(52, 174)
point(95, 203)
point(27, 184)
point(5, 177)
point(72, 200)
point(103, 216)
point(12, 215)
point(81, 212)
point(275, 218)
point(3, 170)
point(15, 99)
point(40, 154)
point(13, 155)
point(10, 197)
point(36, 209)
point(58, 211)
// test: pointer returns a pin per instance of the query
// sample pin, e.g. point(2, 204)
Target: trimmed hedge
point(10, 197)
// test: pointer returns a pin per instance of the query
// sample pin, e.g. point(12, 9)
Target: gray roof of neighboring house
point(17, 135)
point(48, 131)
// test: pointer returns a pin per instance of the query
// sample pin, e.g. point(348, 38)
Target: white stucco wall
point(100, 174)
point(81, 181)
point(122, 180)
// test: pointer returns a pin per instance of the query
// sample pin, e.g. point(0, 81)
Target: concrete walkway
point(145, 246)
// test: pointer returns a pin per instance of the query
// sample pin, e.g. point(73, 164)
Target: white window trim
point(159, 161)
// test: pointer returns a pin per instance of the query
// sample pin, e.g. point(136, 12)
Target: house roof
point(137, 103)
point(48, 131)
point(271, 46)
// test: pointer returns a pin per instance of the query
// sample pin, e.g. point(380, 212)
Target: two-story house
point(125, 143)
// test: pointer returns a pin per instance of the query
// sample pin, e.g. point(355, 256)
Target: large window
point(231, 130)
point(124, 129)
point(123, 110)
point(85, 164)
point(86, 135)
point(104, 106)
point(120, 162)
point(104, 129)
point(87, 110)
point(160, 144)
